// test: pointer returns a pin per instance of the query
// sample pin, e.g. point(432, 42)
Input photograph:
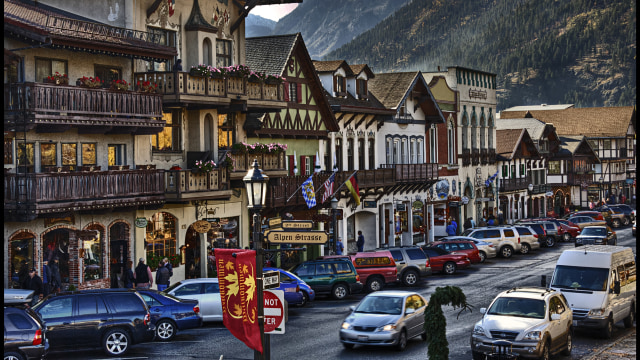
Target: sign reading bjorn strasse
point(294, 237)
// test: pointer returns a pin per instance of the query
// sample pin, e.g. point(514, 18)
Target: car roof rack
point(542, 291)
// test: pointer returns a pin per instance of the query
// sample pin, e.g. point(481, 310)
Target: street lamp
point(601, 189)
point(334, 213)
point(530, 204)
point(256, 184)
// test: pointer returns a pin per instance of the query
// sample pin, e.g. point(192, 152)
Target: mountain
point(543, 51)
point(258, 26)
point(326, 25)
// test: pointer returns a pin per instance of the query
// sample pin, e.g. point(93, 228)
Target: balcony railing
point(540, 188)
point(59, 106)
point(181, 86)
point(515, 184)
point(466, 157)
point(187, 185)
point(580, 178)
point(268, 162)
point(408, 173)
point(49, 193)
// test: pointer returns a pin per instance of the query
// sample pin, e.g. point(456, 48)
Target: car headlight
point(478, 330)
point(532, 335)
point(347, 326)
point(387, 327)
point(596, 312)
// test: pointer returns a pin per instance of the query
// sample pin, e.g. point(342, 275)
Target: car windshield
point(380, 305)
point(594, 231)
point(520, 307)
point(580, 278)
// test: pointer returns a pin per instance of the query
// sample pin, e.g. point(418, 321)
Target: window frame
point(51, 71)
point(174, 125)
point(170, 37)
point(227, 58)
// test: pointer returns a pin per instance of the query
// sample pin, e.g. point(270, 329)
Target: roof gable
point(512, 143)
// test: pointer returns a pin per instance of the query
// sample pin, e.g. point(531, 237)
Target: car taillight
point(297, 288)
point(535, 236)
point(37, 338)
point(147, 318)
point(427, 264)
point(196, 309)
point(518, 239)
point(357, 277)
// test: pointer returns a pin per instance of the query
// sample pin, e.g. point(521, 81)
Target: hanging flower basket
point(58, 79)
point(119, 85)
point(90, 82)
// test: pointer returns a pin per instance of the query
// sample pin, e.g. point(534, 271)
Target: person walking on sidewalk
point(46, 277)
point(360, 242)
point(162, 276)
point(55, 282)
point(339, 247)
point(142, 275)
point(169, 267)
point(34, 282)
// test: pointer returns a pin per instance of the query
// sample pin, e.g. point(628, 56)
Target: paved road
point(312, 331)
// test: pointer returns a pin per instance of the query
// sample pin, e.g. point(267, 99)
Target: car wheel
point(165, 330)
point(607, 332)
point(551, 241)
point(525, 249)
point(410, 278)
point(13, 356)
point(116, 342)
point(305, 299)
point(402, 340)
point(348, 346)
point(569, 347)
point(566, 237)
point(628, 321)
point(483, 256)
point(626, 221)
point(340, 292)
point(478, 355)
point(506, 251)
point(449, 268)
point(544, 354)
point(615, 223)
point(375, 284)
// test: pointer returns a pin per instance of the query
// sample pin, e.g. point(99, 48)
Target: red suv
point(460, 247)
point(375, 268)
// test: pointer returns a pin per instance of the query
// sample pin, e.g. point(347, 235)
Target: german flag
point(352, 184)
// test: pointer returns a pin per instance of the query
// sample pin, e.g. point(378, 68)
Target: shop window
point(88, 154)
point(70, 155)
point(223, 236)
point(47, 156)
point(55, 244)
point(161, 235)
point(93, 252)
point(22, 257)
point(223, 53)
point(168, 140)
point(25, 156)
point(226, 130)
point(48, 67)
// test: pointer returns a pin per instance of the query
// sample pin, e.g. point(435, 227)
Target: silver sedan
point(385, 318)
point(486, 249)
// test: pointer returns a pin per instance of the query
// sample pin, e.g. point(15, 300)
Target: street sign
point(273, 312)
point(275, 222)
point(270, 279)
point(300, 224)
point(297, 237)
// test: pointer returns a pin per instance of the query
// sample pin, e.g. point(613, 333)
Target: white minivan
point(599, 282)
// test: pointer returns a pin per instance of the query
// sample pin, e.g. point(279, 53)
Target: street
point(312, 331)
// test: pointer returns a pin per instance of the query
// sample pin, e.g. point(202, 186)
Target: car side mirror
point(483, 310)
point(410, 311)
point(555, 316)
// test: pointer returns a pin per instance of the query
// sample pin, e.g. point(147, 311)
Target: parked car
point(113, 319)
point(17, 297)
point(528, 238)
point(444, 261)
point(539, 229)
point(504, 239)
point(170, 314)
point(296, 291)
point(626, 209)
point(412, 264)
point(385, 318)
point(460, 247)
point(569, 230)
point(597, 215)
point(375, 268)
point(537, 322)
point(205, 290)
point(584, 221)
point(25, 335)
point(486, 250)
point(337, 277)
point(597, 235)
point(618, 217)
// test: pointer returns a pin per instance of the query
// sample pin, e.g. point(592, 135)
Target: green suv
point(337, 277)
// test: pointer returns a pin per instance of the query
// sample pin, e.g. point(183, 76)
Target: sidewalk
point(622, 349)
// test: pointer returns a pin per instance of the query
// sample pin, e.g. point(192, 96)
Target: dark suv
point(336, 276)
point(24, 334)
point(112, 319)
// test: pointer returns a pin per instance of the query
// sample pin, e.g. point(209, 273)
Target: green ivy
point(435, 323)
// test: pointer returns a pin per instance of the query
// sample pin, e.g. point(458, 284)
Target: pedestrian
point(127, 276)
point(623, 199)
point(55, 283)
point(482, 223)
point(162, 276)
point(142, 276)
point(178, 65)
point(467, 224)
point(34, 282)
point(455, 224)
point(339, 247)
point(500, 218)
point(451, 230)
point(23, 273)
point(360, 241)
point(491, 221)
point(46, 276)
point(473, 223)
point(169, 267)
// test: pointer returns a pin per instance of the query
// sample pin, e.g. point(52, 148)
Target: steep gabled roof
point(535, 127)
point(358, 68)
point(391, 88)
point(509, 141)
point(332, 66)
point(269, 54)
point(570, 145)
point(591, 122)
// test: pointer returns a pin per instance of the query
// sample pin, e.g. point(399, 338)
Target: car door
point(289, 285)
point(401, 263)
point(325, 276)
point(211, 296)
point(193, 290)
point(156, 308)
point(91, 318)
point(414, 322)
point(558, 328)
point(307, 272)
point(58, 315)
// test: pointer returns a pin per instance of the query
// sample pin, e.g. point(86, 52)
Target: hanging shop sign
point(548, 193)
point(141, 222)
point(465, 200)
point(401, 207)
point(201, 226)
point(442, 188)
point(370, 204)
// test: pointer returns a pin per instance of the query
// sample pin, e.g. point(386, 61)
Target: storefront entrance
point(55, 244)
point(192, 253)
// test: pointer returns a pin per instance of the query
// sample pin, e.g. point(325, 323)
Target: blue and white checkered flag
point(308, 192)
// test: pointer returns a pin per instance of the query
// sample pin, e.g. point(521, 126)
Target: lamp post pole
point(334, 211)
point(530, 202)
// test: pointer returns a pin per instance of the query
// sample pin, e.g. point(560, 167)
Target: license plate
point(363, 338)
point(575, 322)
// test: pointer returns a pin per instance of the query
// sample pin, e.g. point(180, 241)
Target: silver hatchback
point(385, 318)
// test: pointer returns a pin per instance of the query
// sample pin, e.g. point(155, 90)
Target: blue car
point(170, 314)
point(296, 291)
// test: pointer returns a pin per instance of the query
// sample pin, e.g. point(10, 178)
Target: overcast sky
point(273, 12)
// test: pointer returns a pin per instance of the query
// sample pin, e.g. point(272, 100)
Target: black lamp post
point(256, 184)
point(334, 213)
point(530, 204)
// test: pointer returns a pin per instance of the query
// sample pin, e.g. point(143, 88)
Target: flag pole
point(340, 187)
point(299, 187)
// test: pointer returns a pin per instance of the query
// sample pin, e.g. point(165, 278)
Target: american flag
point(328, 187)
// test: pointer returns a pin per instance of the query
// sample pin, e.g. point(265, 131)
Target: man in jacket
point(360, 242)
point(339, 247)
point(142, 275)
point(162, 276)
point(46, 277)
point(34, 282)
point(55, 282)
point(169, 267)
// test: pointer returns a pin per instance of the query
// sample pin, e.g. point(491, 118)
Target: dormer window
point(402, 110)
point(361, 88)
point(340, 85)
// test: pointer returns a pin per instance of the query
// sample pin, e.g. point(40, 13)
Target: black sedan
point(24, 335)
point(599, 235)
point(170, 314)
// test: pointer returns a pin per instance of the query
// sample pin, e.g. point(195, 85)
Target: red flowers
point(59, 79)
point(90, 82)
point(120, 85)
point(147, 86)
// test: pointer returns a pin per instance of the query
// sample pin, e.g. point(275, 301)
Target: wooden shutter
point(299, 92)
point(286, 91)
point(335, 84)
point(357, 88)
point(303, 164)
point(314, 163)
point(291, 164)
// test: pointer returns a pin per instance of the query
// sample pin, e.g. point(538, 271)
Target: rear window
point(523, 231)
point(372, 261)
point(397, 255)
point(342, 267)
point(90, 305)
point(508, 233)
point(416, 254)
point(211, 288)
point(20, 321)
point(125, 302)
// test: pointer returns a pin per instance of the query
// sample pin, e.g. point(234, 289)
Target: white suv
point(537, 322)
point(506, 240)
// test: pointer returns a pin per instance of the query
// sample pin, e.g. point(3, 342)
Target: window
point(22, 255)
point(396, 151)
point(70, 155)
point(169, 138)
point(188, 289)
point(127, 302)
point(93, 255)
point(340, 85)
point(522, 171)
point(150, 301)
point(338, 151)
point(308, 165)
point(606, 144)
point(433, 144)
point(412, 151)
point(416, 254)
point(342, 267)
point(389, 150)
point(226, 130)
point(361, 85)
point(402, 110)
point(324, 269)
point(451, 139)
point(482, 138)
point(57, 308)
point(306, 270)
point(293, 92)
point(465, 138)
point(107, 73)
point(8, 151)
point(223, 53)
point(117, 154)
point(161, 235)
point(361, 153)
point(162, 37)
point(206, 52)
point(372, 156)
point(47, 156)
point(397, 255)
point(350, 160)
point(420, 147)
point(88, 154)
point(48, 67)
point(20, 321)
point(211, 288)
point(554, 167)
point(403, 149)
point(513, 171)
point(25, 156)
point(505, 171)
point(509, 233)
point(90, 305)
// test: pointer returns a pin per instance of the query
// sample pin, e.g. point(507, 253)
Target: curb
point(597, 354)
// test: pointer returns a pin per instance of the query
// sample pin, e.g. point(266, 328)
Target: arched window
point(22, 253)
point(420, 148)
point(339, 153)
point(226, 130)
point(372, 154)
point(161, 235)
point(403, 150)
point(474, 129)
point(389, 150)
point(350, 159)
point(490, 130)
point(482, 130)
point(451, 146)
point(206, 52)
point(93, 254)
point(433, 144)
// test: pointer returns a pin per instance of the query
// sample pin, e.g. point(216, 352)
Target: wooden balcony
point(273, 164)
point(515, 184)
point(581, 177)
point(29, 196)
point(183, 88)
point(413, 173)
point(540, 188)
point(466, 157)
point(185, 185)
point(57, 108)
